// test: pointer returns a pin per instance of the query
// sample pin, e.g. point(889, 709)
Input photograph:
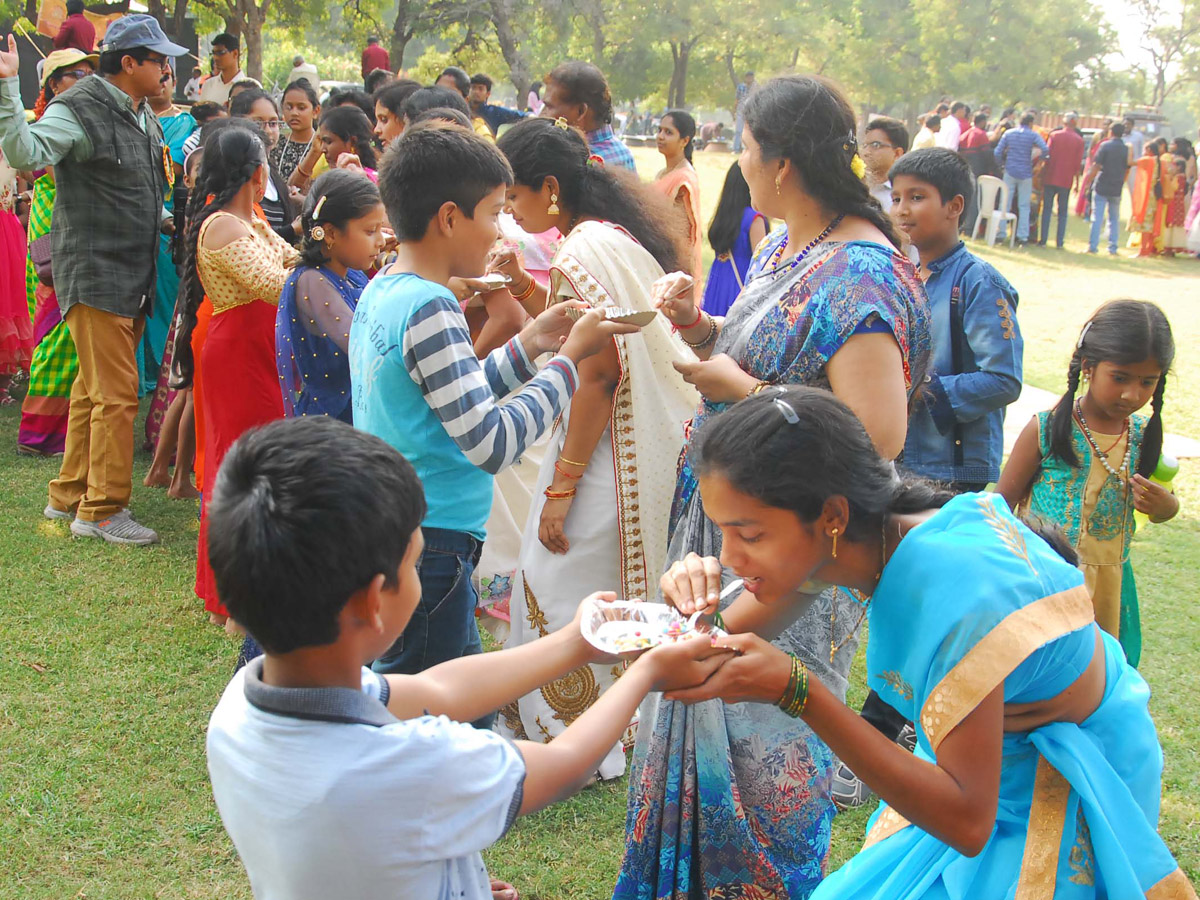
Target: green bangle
point(718, 621)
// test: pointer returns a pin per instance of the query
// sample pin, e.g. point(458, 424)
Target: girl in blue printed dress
point(1086, 465)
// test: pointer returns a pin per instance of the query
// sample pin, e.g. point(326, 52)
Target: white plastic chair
point(988, 187)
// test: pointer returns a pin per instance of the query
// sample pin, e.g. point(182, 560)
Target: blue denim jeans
point(1099, 202)
point(1022, 189)
point(442, 626)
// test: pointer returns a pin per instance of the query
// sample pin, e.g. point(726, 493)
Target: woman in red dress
point(240, 264)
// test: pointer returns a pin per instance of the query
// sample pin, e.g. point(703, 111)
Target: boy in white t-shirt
point(334, 781)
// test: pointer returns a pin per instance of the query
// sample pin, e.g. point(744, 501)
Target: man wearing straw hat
point(112, 170)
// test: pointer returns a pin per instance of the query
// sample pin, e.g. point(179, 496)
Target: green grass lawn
point(109, 669)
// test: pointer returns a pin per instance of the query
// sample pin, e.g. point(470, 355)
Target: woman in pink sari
point(681, 184)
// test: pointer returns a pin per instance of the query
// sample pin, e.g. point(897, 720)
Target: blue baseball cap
point(129, 32)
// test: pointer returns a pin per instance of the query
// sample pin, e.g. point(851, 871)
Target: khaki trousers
point(97, 466)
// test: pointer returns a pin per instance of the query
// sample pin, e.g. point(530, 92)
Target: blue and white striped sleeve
point(462, 391)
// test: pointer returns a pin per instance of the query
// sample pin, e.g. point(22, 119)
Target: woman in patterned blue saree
point(733, 802)
point(1037, 771)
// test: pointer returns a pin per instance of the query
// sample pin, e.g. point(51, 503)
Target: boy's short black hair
point(944, 169)
point(434, 163)
point(228, 41)
point(443, 114)
point(893, 128)
point(462, 80)
point(1118, 129)
point(485, 80)
point(1028, 119)
point(980, 119)
point(433, 98)
point(376, 79)
point(305, 512)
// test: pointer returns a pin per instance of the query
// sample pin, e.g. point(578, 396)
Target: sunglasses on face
point(162, 62)
point(74, 73)
point(219, 51)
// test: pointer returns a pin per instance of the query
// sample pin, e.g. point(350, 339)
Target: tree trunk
point(252, 30)
point(179, 17)
point(680, 53)
point(519, 71)
point(403, 30)
point(155, 8)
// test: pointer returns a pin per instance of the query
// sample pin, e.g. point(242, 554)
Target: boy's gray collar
point(327, 704)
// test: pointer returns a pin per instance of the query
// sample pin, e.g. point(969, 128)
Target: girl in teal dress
point(1037, 771)
point(1085, 466)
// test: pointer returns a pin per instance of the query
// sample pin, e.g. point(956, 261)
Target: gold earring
point(834, 534)
point(552, 209)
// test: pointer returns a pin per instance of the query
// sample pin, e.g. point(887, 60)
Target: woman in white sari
point(603, 495)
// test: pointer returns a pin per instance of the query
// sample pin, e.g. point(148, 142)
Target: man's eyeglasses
point(74, 73)
point(219, 51)
point(163, 62)
point(876, 145)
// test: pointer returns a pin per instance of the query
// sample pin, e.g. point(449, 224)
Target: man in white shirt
point(953, 126)
point(884, 141)
point(227, 66)
point(305, 70)
point(191, 90)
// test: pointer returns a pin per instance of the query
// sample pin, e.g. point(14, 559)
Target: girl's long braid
point(1061, 427)
point(222, 186)
point(1152, 438)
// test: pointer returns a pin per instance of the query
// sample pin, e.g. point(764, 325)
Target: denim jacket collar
point(946, 258)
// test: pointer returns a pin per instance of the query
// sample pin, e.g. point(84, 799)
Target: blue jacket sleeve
point(995, 346)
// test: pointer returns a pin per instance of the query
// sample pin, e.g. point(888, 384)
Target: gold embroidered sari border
point(1174, 887)
point(1043, 840)
point(989, 662)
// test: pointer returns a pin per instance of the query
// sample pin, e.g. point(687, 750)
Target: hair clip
point(317, 232)
point(595, 160)
point(562, 123)
point(317, 209)
point(1082, 335)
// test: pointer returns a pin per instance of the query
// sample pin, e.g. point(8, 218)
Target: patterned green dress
point(54, 366)
point(1095, 511)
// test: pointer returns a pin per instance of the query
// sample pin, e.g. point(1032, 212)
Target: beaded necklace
point(1119, 474)
point(799, 257)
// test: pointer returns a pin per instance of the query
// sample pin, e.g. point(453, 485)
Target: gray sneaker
point(119, 528)
point(53, 512)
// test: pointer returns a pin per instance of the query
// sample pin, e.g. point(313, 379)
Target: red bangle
point(699, 316)
point(565, 474)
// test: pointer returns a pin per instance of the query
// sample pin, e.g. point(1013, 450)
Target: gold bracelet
point(528, 292)
point(708, 338)
point(571, 462)
point(758, 387)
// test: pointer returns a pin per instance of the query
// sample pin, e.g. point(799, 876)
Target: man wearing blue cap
point(112, 169)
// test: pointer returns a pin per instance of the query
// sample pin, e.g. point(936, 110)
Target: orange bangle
point(559, 495)
point(565, 474)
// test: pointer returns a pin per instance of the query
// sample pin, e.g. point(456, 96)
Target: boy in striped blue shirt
point(418, 385)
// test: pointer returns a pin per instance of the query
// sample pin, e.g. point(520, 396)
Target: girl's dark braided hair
point(806, 120)
point(232, 154)
point(1122, 332)
point(539, 148)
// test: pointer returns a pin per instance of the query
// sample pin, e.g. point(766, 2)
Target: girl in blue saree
point(343, 233)
point(1037, 769)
